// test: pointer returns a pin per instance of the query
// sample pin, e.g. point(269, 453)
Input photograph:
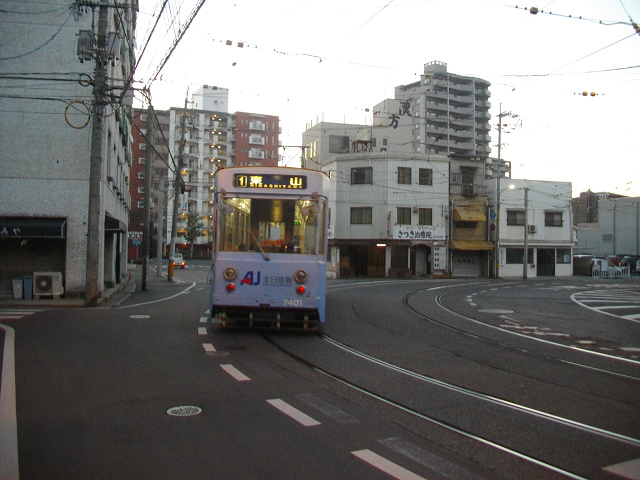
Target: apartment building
point(64, 169)
point(190, 146)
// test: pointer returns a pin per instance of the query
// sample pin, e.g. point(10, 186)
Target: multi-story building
point(64, 186)
point(415, 123)
point(536, 214)
point(150, 154)
point(385, 214)
point(449, 113)
point(199, 140)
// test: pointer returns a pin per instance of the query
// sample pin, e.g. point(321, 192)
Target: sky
point(308, 61)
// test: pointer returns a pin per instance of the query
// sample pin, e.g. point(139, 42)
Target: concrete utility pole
point(146, 229)
point(177, 188)
point(525, 260)
point(160, 219)
point(95, 220)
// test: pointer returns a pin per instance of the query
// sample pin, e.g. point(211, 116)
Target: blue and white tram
point(269, 247)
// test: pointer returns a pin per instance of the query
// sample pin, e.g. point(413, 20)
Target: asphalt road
point(410, 379)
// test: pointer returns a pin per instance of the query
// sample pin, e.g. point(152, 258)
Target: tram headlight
point(230, 287)
point(230, 273)
point(301, 276)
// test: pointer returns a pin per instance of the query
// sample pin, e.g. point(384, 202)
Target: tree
point(194, 229)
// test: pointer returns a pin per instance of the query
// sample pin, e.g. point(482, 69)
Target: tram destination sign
point(271, 181)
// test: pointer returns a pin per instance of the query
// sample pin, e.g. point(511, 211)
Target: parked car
point(630, 260)
point(177, 260)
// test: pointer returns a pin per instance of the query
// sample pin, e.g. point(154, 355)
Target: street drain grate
point(184, 411)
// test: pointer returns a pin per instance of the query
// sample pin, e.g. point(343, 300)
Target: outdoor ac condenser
point(47, 284)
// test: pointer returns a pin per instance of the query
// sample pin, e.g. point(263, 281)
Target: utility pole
point(177, 188)
point(146, 230)
point(160, 219)
point(95, 219)
point(525, 260)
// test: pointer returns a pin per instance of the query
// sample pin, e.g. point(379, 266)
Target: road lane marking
point(293, 412)
point(629, 470)
point(9, 467)
point(208, 347)
point(202, 330)
point(203, 319)
point(387, 466)
point(235, 373)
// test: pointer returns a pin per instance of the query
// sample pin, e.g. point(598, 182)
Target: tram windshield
point(272, 225)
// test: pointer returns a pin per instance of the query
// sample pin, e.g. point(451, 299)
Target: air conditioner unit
point(532, 229)
point(47, 284)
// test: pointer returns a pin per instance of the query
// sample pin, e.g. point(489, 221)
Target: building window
point(362, 175)
point(403, 216)
point(140, 204)
point(142, 160)
point(143, 118)
point(515, 217)
point(404, 176)
point(338, 144)
point(143, 146)
point(552, 219)
point(140, 189)
point(514, 255)
point(361, 215)
point(425, 176)
point(425, 216)
point(563, 255)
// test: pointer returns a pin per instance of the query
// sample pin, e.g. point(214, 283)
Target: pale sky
point(308, 61)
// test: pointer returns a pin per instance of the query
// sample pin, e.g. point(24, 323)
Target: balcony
point(257, 126)
point(468, 190)
point(256, 154)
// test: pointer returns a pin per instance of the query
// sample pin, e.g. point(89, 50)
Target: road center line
point(387, 466)
point(235, 373)
point(294, 413)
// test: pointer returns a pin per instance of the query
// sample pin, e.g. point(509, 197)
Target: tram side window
point(271, 225)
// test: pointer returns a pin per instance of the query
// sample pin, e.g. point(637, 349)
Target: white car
point(177, 260)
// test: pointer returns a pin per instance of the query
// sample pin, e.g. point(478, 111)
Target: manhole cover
point(184, 411)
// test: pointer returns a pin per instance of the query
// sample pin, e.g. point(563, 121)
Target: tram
point(269, 247)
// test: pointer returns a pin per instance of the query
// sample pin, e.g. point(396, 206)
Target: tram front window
point(270, 225)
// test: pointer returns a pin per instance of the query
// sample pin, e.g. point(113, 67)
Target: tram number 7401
point(293, 302)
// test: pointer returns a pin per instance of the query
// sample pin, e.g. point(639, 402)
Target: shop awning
point(468, 214)
point(33, 227)
point(471, 245)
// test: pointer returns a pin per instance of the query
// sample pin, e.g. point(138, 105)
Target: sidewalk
point(127, 286)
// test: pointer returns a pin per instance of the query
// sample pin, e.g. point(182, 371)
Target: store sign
point(419, 232)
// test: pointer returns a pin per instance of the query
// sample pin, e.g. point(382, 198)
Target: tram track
point(548, 427)
point(611, 438)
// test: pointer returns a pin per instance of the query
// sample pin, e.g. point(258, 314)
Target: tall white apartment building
point(449, 113)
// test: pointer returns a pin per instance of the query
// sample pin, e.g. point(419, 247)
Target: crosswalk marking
point(387, 466)
point(293, 412)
